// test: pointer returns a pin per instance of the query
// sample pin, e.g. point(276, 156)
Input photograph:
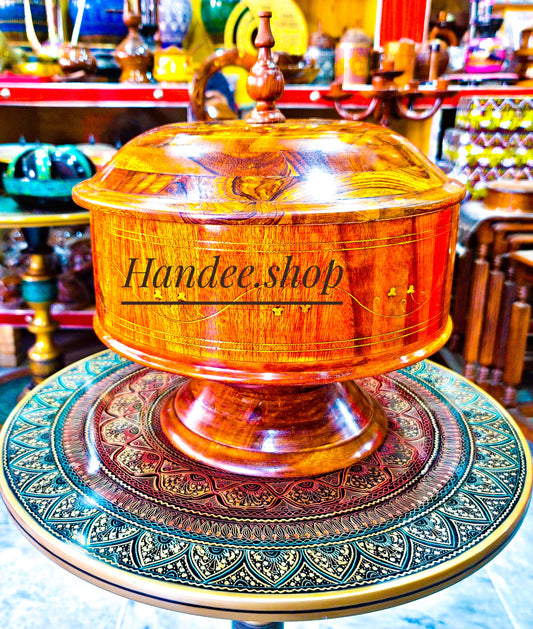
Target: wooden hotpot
point(272, 263)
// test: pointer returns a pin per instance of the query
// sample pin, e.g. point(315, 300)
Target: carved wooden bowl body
point(273, 259)
point(272, 262)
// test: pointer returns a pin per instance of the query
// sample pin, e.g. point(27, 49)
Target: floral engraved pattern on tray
point(86, 458)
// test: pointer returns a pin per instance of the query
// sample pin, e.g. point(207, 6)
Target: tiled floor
point(37, 594)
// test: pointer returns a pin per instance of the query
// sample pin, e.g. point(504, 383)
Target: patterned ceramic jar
point(322, 51)
point(352, 58)
point(174, 20)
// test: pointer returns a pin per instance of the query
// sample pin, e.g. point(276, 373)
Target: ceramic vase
point(174, 17)
point(148, 28)
point(102, 21)
point(215, 14)
point(12, 20)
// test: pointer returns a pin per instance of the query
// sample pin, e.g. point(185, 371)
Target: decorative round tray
point(12, 215)
point(91, 480)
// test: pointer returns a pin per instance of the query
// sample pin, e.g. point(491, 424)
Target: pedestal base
point(274, 431)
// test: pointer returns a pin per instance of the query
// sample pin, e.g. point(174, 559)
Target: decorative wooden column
point(519, 327)
point(506, 304)
point(39, 289)
point(490, 324)
point(474, 324)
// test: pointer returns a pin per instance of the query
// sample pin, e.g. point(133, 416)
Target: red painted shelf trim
point(66, 318)
point(177, 95)
point(93, 94)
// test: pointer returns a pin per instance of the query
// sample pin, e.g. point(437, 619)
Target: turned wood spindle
point(39, 290)
point(132, 54)
point(265, 81)
point(460, 292)
point(434, 61)
point(475, 311)
point(516, 346)
point(490, 327)
point(506, 303)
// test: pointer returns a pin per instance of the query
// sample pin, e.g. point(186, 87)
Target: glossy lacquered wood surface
point(297, 172)
point(275, 431)
point(265, 255)
point(510, 196)
point(90, 478)
point(390, 304)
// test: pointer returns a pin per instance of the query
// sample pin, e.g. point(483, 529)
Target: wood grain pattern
point(490, 325)
point(476, 309)
point(213, 64)
point(522, 263)
point(297, 172)
point(516, 346)
point(265, 81)
point(507, 299)
point(510, 196)
point(133, 56)
point(394, 295)
point(271, 263)
point(313, 428)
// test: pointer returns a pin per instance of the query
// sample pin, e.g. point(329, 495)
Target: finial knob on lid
point(265, 81)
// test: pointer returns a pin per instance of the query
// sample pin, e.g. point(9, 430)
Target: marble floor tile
point(35, 593)
point(512, 574)
point(471, 604)
point(4, 516)
point(140, 616)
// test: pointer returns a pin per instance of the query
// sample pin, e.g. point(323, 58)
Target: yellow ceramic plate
point(288, 26)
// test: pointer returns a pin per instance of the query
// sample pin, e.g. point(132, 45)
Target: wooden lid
point(268, 170)
point(301, 171)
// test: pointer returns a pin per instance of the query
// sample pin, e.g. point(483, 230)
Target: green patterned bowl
point(43, 176)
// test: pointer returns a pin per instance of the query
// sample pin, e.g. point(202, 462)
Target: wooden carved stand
point(288, 214)
point(388, 100)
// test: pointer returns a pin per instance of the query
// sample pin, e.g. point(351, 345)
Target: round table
point(39, 282)
point(90, 479)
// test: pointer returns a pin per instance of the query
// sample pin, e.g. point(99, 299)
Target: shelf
point(117, 95)
point(309, 96)
point(79, 95)
point(93, 95)
point(177, 95)
point(66, 318)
